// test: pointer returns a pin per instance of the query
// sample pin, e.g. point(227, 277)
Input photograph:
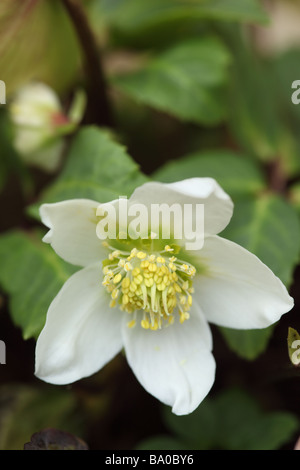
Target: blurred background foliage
point(175, 89)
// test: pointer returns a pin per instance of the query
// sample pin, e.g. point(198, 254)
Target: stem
point(277, 179)
point(98, 104)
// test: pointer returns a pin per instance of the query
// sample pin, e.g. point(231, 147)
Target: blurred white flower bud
point(283, 31)
point(40, 124)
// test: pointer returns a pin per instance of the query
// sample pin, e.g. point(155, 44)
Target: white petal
point(218, 206)
point(238, 291)
point(72, 231)
point(174, 364)
point(81, 334)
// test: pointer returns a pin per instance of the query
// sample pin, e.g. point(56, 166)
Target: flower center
point(158, 284)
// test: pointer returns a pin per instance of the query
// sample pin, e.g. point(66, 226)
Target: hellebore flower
point(39, 124)
point(152, 296)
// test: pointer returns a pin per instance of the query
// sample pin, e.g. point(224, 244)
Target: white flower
point(152, 298)
point(39, 124)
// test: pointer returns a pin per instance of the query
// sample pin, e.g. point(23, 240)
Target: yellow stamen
point(151, 283)
point(117, 278)
point(145, 324)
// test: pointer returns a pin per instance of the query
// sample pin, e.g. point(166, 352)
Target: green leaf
point(133, 15)
point(31, 274)
point(196, 430)
point(248, 344)
point(295, 196)
point(257, 117)
point(285, 67)
point(253, 114)
point(244, 426)
point(185, 81)
point(285, 70)
point(234, 421)
point(97, 168)
point(269, 228)
point(237, 174)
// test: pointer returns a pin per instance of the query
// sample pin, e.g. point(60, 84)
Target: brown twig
point(99, 111)
point(277, 178)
